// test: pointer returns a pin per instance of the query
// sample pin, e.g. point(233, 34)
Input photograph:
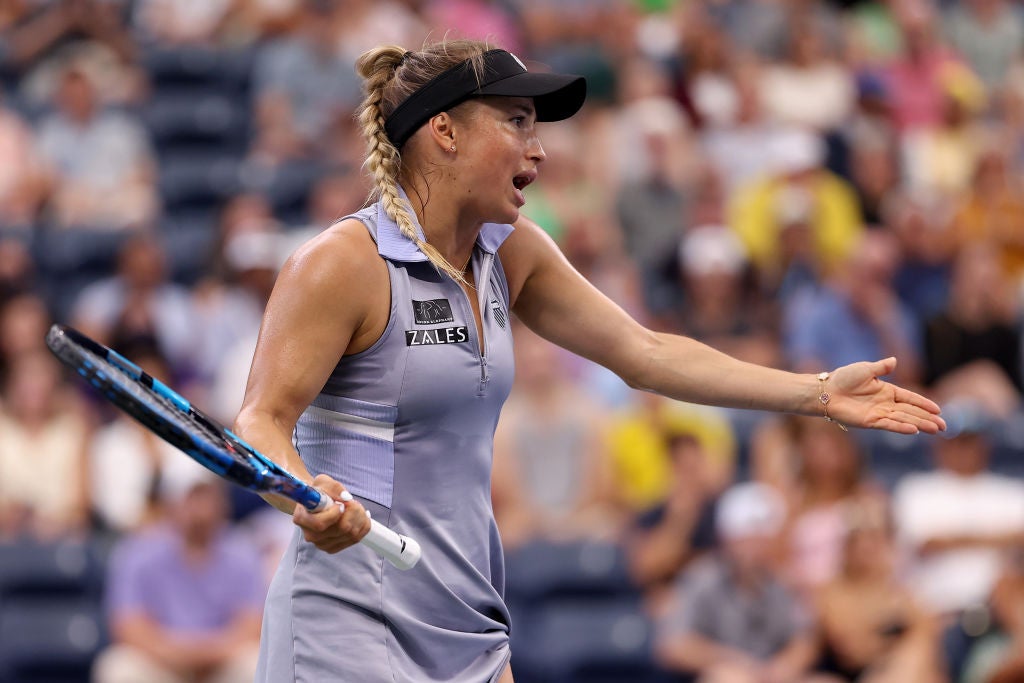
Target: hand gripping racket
point(172, 417)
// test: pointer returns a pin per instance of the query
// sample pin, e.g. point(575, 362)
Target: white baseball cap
point(748, 510)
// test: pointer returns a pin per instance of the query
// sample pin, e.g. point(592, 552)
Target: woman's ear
point(442, 131)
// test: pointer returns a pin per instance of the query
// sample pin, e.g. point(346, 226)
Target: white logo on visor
point(519, 61)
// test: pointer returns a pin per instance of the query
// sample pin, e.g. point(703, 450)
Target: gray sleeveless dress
point(407, 426)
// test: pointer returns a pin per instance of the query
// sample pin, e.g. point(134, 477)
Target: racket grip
point(399, 550)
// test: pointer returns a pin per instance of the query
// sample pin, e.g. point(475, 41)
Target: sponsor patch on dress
point(440, 335)
point(432, 311)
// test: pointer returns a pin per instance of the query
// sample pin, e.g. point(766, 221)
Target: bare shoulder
point(523, 251)
point(336, 278)
point(344, 253)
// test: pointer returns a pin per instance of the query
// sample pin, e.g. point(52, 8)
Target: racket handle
point(399, 550)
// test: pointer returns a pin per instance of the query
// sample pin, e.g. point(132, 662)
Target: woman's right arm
point(330, 298)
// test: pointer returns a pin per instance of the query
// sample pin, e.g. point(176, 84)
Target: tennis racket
point(172, 417)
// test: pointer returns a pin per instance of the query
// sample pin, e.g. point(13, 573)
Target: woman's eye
point(518, 120)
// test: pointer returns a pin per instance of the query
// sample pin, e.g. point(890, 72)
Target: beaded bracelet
point(824, 397)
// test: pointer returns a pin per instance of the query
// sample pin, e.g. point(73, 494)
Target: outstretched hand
point(860, 399)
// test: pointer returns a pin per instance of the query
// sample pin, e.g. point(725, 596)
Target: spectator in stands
point(922, 280)
point(741, 150)
point(808, 88)
point(721, 305)
point(989, 34)
point(706, 84)
point(666, 538)
point(181, 22)
point(992, 211)
point(997, 656)
point(830, 488)
point(24, 321)
point(800, 219)
point(140, 301)
point(872, 627)
point(959, 522)
point(940, 159)
point(21, 186)
point(476, 19)
point(874, 174)
point(302, 84)
point(857, 312)
point(551, 474)
point(17, 269)
point(913, 81)
point(732, 618)
point(184, 598)
point(872, 34)
point(637, 438)
point(43, 437)
point(652, 209)
point(972, 349)
point(764, 28)
point(99, 165)
point(48, 28)
point(368, 23)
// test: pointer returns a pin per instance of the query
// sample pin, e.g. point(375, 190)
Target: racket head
point(172, 417)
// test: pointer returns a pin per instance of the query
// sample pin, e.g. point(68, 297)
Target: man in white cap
point(732, 620)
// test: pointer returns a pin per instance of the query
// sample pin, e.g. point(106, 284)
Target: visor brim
point(555, 96)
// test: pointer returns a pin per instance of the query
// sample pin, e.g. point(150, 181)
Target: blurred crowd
point(799, 183)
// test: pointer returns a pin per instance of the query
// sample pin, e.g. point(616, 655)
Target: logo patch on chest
point(441, 335)
point(499, 313)
point(432, 311)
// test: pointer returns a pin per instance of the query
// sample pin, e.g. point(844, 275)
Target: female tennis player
point(386, 354)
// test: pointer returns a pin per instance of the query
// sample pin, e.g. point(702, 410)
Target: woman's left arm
point(558, 303)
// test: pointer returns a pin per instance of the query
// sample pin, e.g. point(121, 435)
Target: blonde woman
point(386, 353)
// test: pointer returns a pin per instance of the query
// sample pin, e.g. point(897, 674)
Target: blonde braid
point(383, 160)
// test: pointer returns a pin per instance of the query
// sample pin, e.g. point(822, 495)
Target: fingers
point(905, 396)
point(916, 418)
point(336, 527)
point(892, 425)
point(884, 366)
point(330, 486)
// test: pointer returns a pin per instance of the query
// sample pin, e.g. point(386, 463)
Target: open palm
point(861, 399)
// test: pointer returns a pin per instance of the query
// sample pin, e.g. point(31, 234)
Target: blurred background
point(798, 183)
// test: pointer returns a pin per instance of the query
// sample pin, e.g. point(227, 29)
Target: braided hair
point(390, 74)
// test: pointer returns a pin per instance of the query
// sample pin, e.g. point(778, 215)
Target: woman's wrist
point(825, 398)
point(809, 389)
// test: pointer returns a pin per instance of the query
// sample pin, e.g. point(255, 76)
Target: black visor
point(555, 96)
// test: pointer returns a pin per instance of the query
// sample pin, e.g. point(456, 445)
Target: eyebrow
point(527, 109)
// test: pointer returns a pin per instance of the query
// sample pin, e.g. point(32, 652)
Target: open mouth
point(523, 179)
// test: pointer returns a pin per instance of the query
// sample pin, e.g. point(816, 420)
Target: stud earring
point(452, 148)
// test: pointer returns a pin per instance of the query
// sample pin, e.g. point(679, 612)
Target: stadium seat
point(178, 121)
point(69, 569)
point(70, 259)
point(189, 237)
point(49, 640)
point(197, 180)
point(889, 457)
point(287, 186)
point(543, 570)
point(197, 69)
point(597, 640)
